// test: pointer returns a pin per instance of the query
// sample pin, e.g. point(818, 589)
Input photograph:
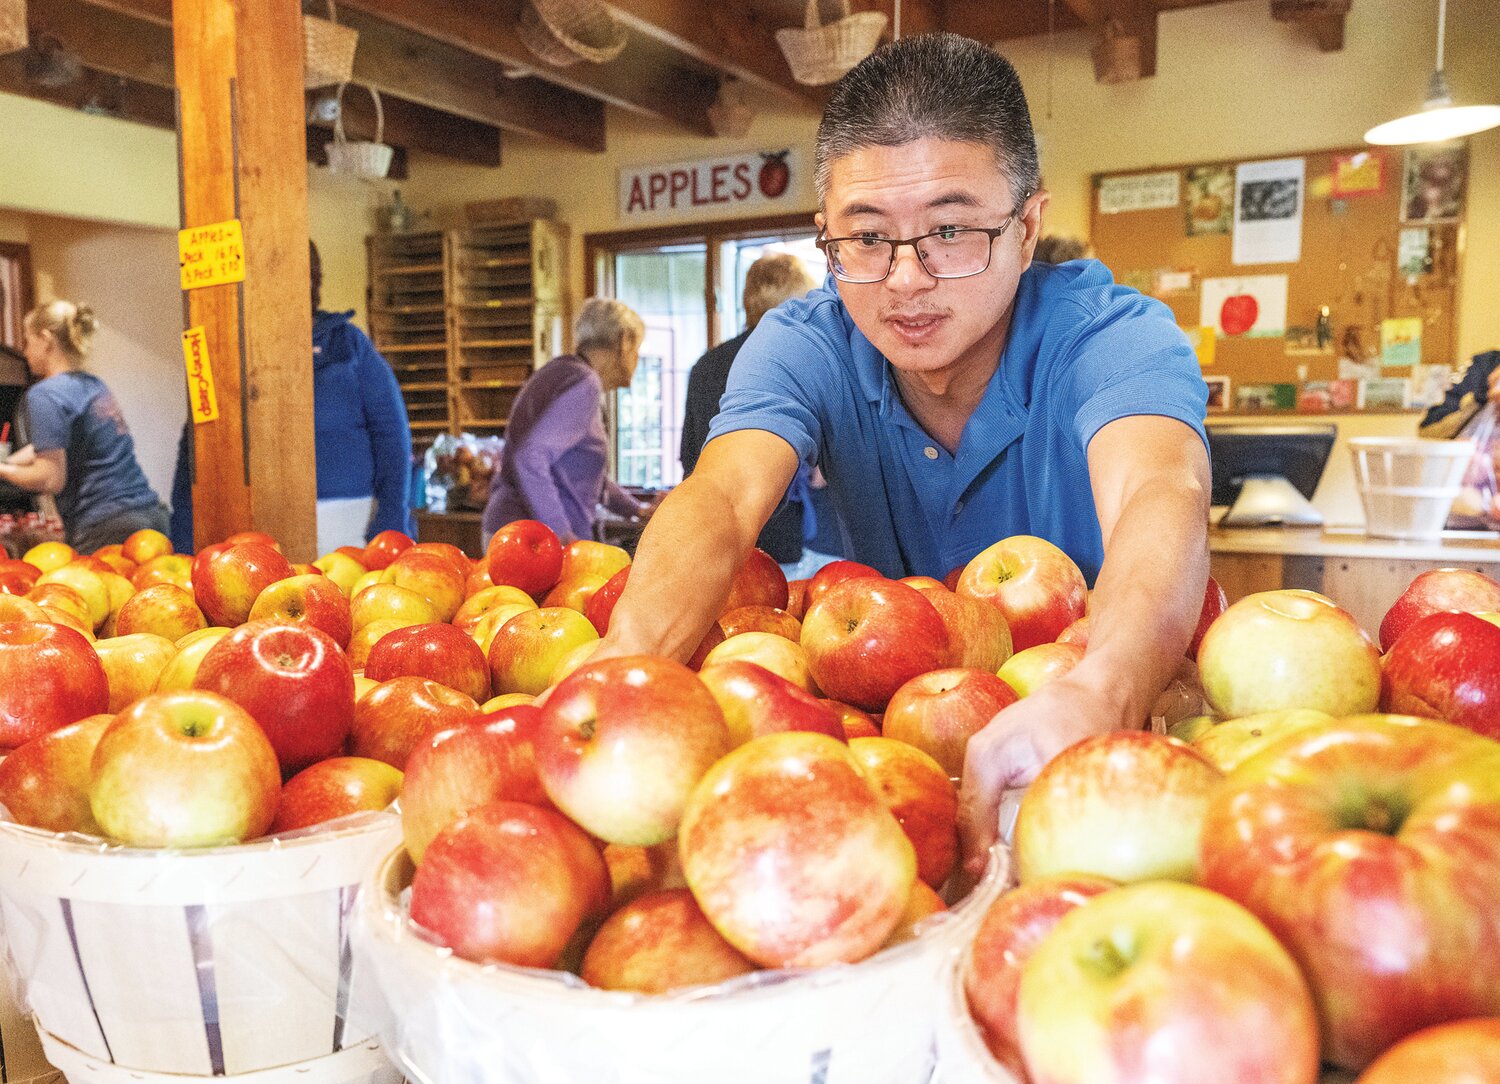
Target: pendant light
point(1439, 119)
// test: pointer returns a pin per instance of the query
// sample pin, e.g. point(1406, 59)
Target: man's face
point(922, 324)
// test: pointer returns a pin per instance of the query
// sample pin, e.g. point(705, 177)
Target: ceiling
point(456, 77)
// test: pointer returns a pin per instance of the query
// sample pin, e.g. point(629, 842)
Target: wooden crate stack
point(409, 325)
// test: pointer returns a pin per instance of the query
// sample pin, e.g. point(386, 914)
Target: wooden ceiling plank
point(416, 127)
point(106, 40)
point(127, 100)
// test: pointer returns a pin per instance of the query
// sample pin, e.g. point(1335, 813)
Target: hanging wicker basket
point(327, 50)
point(370, 159)
point(730, 115)
point(563, 32)
point(1117, 55)
point(12, 25)
point(821, 53)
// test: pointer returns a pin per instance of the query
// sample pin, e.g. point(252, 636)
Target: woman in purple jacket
point(556, 450)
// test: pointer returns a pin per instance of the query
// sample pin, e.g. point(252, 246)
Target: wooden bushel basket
point(327, 50)
point(1117, 55)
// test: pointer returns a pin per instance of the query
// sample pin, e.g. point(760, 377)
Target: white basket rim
point(1447, 492)
point(1413, 446)
point(960, 1020)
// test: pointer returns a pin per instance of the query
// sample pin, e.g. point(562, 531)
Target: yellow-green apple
point(293, 680)
point(659, 943)
point(487, 598)
point(334, 788)
point(184, 769)
point(1229, 744)
point(526, 554)
point(145, 544)
point(572, 661)
point(1034, 584)
point(45, 783)
point(1463, 1052)
point(132, 664)
point(368, 635)
point(437, 651)
point(1127, 805)
point(362, 685)
point(775, 653)
point(796, 598)
point(922, 583)
point(1009, 933)
point(921, 797)
point(1447, 666)
point(1215, 602)
point(602, 603)
point(312, 599)
point(755, 701)
point(49, 555)
point(227, 583)
point(587, 557)
point(16, 608)
point(430, 575)
point(384, 548)
point(392, 718)
point(182, 668)
point(1371, 848)
point(856, 723)
point(49, 677)
point(1442, 590)
point(1276, 650)
point(981, 639)
point(793, 856)
point(174, 568)
point(867, 637)
point(634, 871)
point(1027, 671)
point(761, 619)
point(388, 602)
point(89, 585)
point(528, 647)
point(482, 631)
point(454, 769)
point(369, 579)
point(1493, 617)
point(510, 883)
point(1192, 728)
point(63, 598)
point(621, 744)
point(341, 569)
point(939, 711)
point(121, 591)
point(1168, 983)
point(506, 700)
point(835, 572)
point(921, 905)
point(307, 568)
point(574, 591)
point(757, 582)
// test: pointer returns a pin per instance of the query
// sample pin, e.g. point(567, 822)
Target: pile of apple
point(1293, 880)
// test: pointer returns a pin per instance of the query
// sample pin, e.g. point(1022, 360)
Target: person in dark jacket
point(1475, 386)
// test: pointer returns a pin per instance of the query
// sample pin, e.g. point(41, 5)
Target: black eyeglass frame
point(994, 232)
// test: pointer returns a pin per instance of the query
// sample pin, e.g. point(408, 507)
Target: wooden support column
point(243, 156)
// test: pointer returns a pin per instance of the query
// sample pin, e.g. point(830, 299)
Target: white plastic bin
point(963, 1057)
point(1407, 486)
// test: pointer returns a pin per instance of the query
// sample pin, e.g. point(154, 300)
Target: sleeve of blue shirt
point(50, 417)
point(390, 440)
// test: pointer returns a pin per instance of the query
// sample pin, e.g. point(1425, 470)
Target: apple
point(528, 647)
point(89, 585)
point(1371, 848)
point(1126, 805)
point(311, 599)
point(659, 943)
point(835, 572)
point(921, 905)
point(293, 680)
point(866, 637)
point(341, 569)
point(257, 538)
point(369, 579)
point(116, 560)
point(1168, 983)
point(456, 768)
point(761, 619)
point(17, 577)
point(939, 711)
point(1009, 933)
point(132, 664)
point(759, 581)
point(440, 652)
point(1078, 633)
point(856, 723)
point(1493, 617)
point(1463, 1052)
point(1447, 666)
point(145, 544)
point(384, 548)
point(574, 592)
point(334, 788)
point(1276, 650)
point(367, 636)
point(477, 604)
point(621, 744)
point(1033, 583)
point(392, 718)
point(70, 620)
point(228, 582)
point(1215, 602)
point(587, 557)
point(1442, 590)
point(1027, 671)
point(184, 769)
point(49, 555)
point(16, 608)
point(45, 783)
point(483, 630)
point(63, 599)
point(479, 578)
point(602, 603)
point(775, 653)
point(173, 568)
point(446, 550)
point(921, 797)
point(506, 700)
point(796, 598)
point(712, 639)
point(182, 668)
point(509, 883)
point(793, 856)
point(978, 631)
point(922, 583)
point(525, 554)
point(49, 677)
point(572, 661)
point(388, 602)
point(1229, 744)
point(634, 871)
point(755, 701)
point(430, 575)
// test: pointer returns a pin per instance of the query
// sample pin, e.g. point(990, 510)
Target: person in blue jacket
point(362, 437)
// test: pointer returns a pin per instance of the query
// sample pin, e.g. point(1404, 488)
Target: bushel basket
point(327, 50)
point(563, 32)
point(821, 53)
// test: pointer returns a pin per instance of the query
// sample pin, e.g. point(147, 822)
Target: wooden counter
point(1362, 574)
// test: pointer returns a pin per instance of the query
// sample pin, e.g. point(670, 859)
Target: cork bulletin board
point(1352, 248)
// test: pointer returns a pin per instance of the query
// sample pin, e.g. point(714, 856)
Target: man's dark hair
point(938, 86)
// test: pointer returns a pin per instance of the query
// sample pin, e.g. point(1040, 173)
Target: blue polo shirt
point(1081, 353)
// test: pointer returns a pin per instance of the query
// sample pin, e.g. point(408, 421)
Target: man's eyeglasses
point(944, 254)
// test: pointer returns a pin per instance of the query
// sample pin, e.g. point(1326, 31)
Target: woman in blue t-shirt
point(81, 452)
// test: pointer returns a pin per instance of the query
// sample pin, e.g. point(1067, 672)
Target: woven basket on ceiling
point(327, 50)
point(563, 32)
point(821, 53)
point(12, 25)
point(369, 159)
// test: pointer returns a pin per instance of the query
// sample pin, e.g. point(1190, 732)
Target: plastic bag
point(1477, 506)
point(459, 470)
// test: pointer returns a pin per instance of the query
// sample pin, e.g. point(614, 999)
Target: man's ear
point(820, 220)
point(1032, 221)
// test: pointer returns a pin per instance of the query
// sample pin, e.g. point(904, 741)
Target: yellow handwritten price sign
point(212, 255)
point(200, 374)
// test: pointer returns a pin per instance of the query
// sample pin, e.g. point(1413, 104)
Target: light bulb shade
point(1435, 125)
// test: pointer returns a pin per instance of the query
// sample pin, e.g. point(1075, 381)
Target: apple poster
point(1268, 211)
point(1251, 306)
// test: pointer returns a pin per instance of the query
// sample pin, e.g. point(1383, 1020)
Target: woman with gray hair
point(553, 469)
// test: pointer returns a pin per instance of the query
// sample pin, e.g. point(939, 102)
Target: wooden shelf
point(423, 385)
point(405, 310)
point(497, 423)
point(412, 269)
point(497, 303)
point(494, 344)
point(495, 384)
point(428, 425)
point(413, 348)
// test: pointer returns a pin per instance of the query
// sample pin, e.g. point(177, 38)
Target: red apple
point(457, 768)
point(430, 575)
point(392, 718)
point(258, 538)
point(164, 609)
point(793, 856)
point(1215, 602)
point(314, 599)
point(622, 743)
point(384, 548)
point(1443, 590)
point(132, 664)
point(835, 572)
point(293, 680)
point(334, 788)
point(45, 783)
point(115, 558)
point(479, 578)
point(856, 723)
point(528, 647)
point(1371, 848)
point(1447, 666)
point(1167, 983)
point(1033, 583)
point(1126, 805)
point(1027, 671)
point(437, 651)
point(184, 769)
point(227, 583)
point(761, 619)
point(15, 608)
point(17, 577)
point(796, 598)
point(755, 701)
point(602, 603)
point(49, 677)
point(712, 639)
point(1464, 1052)
point(457, 558)
point(659, 943)
point(525, 554)
point(509, 883)
point(939, 711)
point(867, 637)
point(981, 638)
point(145, 544)
point(950, 581)
point(775, 653)
point(757, 582)
point(921, 797)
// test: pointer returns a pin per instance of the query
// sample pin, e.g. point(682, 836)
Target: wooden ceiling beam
point(415, 127)
point(103, 92)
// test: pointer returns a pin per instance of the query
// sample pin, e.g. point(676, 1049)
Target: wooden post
point(241, 139)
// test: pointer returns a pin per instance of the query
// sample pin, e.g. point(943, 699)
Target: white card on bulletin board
point(1268, 200)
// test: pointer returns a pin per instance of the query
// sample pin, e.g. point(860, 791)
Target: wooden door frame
point(21, 253)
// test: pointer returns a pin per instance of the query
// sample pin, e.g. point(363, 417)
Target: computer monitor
point(1267, 473)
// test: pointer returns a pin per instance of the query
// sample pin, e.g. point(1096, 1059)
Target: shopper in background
point(769, 281)
point(80, 451)
point(556, 452)
point(1478, 384)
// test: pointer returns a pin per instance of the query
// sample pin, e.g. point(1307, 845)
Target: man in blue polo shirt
point(955, 393)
